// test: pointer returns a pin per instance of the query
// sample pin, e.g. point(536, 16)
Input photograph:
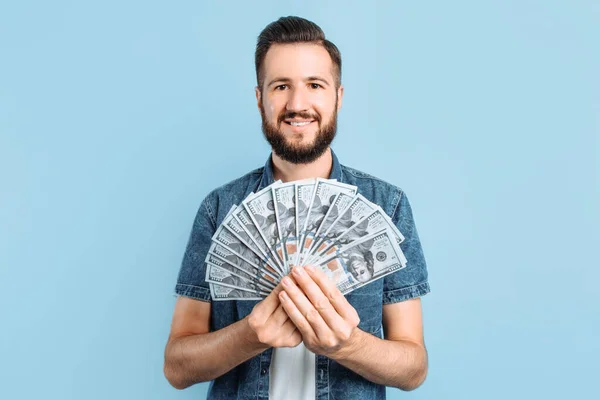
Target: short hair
point(294, 30)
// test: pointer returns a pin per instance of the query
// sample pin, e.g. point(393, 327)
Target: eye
point(315, 86)
point(281, 87)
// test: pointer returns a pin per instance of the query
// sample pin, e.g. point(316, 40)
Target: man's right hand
point(271, 325)
point(195, 354)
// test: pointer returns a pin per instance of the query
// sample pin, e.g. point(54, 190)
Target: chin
point(303, 136)
point(302, 144)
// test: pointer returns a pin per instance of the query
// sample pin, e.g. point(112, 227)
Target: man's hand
point(320, 312)
point(271, 325)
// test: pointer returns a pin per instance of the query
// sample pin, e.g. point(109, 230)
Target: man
point(305, 340)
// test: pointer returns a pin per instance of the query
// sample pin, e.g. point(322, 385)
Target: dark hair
point(294, 30)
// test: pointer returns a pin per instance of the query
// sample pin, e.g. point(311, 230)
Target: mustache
point(300, 114)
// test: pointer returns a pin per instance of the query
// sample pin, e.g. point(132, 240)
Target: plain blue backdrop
point(118, 117)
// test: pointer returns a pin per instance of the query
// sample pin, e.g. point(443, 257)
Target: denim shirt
point(250, 380)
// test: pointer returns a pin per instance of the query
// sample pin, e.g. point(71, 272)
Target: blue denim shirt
point(250, 380)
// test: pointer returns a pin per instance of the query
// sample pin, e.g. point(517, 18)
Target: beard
point(295, 153)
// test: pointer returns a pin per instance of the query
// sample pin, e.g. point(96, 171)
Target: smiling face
point(298, 101)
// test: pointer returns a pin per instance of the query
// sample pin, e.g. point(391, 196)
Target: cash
point(320, 222)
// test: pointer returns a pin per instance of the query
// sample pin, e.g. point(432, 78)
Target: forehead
point(297, 61)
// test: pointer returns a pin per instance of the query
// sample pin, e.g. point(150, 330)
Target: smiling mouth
point(298, 123)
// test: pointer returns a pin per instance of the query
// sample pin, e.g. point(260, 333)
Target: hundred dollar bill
point(243, 217)
point(325, 192)
point(219, 293)
point(234, 226)
point(225, 259)
point(227, 240)
point(261, 208)
point(223, 277)
point(358, 209)
point(304, 193)
point(285, 213)
point(375, 222)
point(364, 261)
point(339, 205)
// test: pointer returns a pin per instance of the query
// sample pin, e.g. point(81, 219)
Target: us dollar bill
point(220, 293)
point(225, 259)
point(261, 209)
point(234, 226)
point(358, 209)
point(227, 240)
point(339, 205)
point(304, 195)
point(363, 261)
point(325, 193)
point(224, 277)
point(377, 221)
point(246, 222)
point(285, 213)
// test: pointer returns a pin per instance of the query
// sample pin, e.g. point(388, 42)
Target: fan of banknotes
point(320, 222)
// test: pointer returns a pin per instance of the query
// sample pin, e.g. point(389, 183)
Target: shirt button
point(263, 371)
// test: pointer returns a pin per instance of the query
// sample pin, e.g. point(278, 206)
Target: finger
point(333, 294)
point(296, 316)
point(288, 328)
point(318, 299)
point(268, 306)
point(291, 337)
point(306, 310)
point(295, 338)
point(278, 317)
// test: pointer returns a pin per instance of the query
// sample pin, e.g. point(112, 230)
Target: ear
point(340, 94)
point(258, 97)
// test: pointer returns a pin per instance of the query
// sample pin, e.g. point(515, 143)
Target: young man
point(305, 340)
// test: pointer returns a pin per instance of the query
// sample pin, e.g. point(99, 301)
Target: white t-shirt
point(292, 374)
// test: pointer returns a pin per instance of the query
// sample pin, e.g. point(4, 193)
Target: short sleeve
point(411, 281)
point(191, 281)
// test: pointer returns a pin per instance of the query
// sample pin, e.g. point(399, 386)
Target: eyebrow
point(287, 80)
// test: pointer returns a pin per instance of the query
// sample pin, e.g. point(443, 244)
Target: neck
point(286, 171)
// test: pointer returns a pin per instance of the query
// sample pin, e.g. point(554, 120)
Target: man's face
point(299, 101)
point(360, 271)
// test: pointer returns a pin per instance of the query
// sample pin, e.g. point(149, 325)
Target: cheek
point(325, 106)
point(272, 110)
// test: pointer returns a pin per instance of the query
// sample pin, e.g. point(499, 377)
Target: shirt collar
point(267, 176)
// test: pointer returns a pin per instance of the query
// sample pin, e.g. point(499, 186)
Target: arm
point(401, 359)
point(328, 324)
point(193, 354)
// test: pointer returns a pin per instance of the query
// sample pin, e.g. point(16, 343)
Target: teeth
point(300, 123)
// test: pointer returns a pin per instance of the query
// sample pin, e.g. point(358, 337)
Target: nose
point(298, 100)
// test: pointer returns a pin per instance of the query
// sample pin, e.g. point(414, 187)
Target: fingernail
point(299, 271)
point(283, 296)
point(286, 281)
point(310, 268)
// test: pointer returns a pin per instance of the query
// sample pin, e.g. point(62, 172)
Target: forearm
point(204, 357)
point(402, 364)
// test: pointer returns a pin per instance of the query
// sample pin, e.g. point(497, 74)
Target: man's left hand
point(327, 322)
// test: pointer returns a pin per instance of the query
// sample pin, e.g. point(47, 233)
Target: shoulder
point(361, 179)
point(236, 185)
point(219, 200)
point(377, 190)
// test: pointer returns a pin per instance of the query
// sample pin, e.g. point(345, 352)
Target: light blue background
point(117, 118)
